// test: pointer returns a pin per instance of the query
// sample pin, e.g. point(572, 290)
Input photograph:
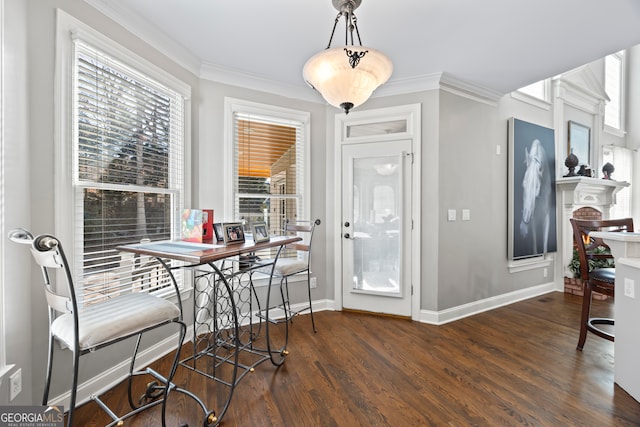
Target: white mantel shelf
point(578, 192)
point(581, 191)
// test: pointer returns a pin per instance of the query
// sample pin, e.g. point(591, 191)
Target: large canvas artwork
point(532, 190)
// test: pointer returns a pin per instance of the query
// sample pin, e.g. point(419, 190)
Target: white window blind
point(128, 173)
point(614, 86)
point(268, 170)
point(622, 160)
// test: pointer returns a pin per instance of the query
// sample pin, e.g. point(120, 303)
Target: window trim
point(621, 131)
point(233, 105)
point(68, 29)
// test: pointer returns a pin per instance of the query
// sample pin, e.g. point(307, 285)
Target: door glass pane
point(377, 225)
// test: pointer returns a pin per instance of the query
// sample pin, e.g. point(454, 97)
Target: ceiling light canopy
point(346, 76)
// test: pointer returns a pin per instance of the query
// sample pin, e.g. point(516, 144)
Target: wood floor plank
point(513, 366)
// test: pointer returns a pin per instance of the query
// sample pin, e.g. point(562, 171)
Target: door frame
point(412, 114)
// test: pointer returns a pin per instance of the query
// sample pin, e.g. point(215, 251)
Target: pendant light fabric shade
point(341, 84)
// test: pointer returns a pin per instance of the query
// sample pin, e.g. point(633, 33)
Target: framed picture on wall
point(579, 142)
point(532, 190)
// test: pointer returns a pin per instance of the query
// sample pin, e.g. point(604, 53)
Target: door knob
point(346, 224)
point(347, 236)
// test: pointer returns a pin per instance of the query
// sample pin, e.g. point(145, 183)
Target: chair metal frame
point(49, 254)
point(600, 280)
point(297, 227)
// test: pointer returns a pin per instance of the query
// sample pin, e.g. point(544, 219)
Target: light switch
point(629, 288)
point(451, 214)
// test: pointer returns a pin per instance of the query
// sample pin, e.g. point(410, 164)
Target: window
point(269, 158)
point(537, 90)
point(614, 86)
point(622, 160)
point(127, 171)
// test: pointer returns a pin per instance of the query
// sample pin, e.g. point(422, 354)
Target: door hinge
point(410, 154)
point(412, 289)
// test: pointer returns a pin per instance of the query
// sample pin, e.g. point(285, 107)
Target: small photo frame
point(233, 232)
point(219, 233)
point(260, 232)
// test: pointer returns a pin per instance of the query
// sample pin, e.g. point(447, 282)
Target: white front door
point(376, 226)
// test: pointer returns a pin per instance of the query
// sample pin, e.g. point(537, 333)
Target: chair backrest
point(304, 229)
point(590, 249)
point(48, 253)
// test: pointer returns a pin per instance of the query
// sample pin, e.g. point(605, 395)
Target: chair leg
point(47, 382)
point(584, 317)
point(174, 367)
point(286, 305)
point(313, 322)
point(74, 387)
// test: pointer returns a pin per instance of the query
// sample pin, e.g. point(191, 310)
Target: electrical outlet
point(313, 283)
point(629, 288)
point(15, 384)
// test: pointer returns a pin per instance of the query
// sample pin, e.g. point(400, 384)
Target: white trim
point(140, 27)
point(518, 265)
point(413, 114)
point(456, 313)
point(3, 352)
point(531, 100)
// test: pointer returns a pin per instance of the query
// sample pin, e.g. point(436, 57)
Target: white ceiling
point(494, 45)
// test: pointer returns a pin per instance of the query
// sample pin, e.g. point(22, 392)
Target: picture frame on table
point(233, 232)
point(218, 232)
point(260, 232)
point(579, 142)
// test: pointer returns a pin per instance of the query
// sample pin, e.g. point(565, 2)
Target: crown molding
point(469, 90)
point(226, 75)
point(150, 34)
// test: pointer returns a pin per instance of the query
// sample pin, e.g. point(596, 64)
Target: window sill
point(518, 266)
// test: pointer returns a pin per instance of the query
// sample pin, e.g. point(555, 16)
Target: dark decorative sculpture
point(571, 162)
point(607, 170)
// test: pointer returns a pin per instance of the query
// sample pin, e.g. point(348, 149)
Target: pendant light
point(346, 76)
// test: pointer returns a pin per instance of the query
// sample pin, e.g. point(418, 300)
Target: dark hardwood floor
point(513, 366)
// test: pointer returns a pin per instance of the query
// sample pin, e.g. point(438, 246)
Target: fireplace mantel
point(577, 192)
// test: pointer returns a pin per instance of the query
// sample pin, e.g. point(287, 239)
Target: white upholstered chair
point(84, 330)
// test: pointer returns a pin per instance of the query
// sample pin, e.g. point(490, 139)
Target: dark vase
point(571, 162)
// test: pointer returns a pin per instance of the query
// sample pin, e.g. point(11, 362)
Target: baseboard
point(449, 315)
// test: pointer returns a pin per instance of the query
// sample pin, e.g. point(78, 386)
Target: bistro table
point(228, 317)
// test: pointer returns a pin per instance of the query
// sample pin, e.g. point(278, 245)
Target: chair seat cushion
point(607, 275)
point(115, 318)
point(289, 266)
